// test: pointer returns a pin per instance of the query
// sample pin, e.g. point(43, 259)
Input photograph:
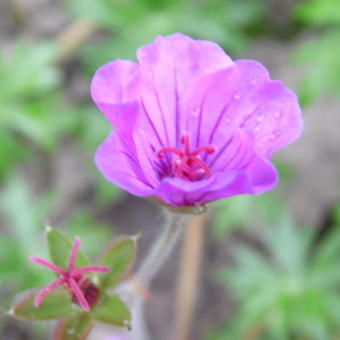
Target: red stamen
point(162, 151)
point(78, 285)
point(188, 165)
point(49, 265)
point(78, 293)
point(46, 290)
point(90, 269)
point(74, 253)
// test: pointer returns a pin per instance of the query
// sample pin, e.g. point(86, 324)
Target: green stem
point(161, 248)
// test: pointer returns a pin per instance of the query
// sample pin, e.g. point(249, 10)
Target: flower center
point(188, 164)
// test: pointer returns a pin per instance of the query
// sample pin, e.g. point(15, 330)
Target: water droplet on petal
point(278, 114)
point(274, 135)
point(237, 96)
point(257, 128)
point(253, 80)
point(196, 112)
point(228, 120)
point(260, 118)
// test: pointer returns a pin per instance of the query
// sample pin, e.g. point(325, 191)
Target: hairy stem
point(161, 248)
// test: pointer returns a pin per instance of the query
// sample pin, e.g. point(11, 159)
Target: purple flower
point(191, 125)
point(83, 291)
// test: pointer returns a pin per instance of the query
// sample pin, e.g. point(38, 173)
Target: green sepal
point(113, 311)
point(75, 327)
point(119, 256)
point(59, 246)
point(57, 304)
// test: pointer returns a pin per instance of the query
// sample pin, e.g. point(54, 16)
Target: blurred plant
point(31, 111)
point(292, 293)
point(245, 210)
point(321, 54)
point(134, 23)
point(34, 114)
point(249, 210)
point(84, 290)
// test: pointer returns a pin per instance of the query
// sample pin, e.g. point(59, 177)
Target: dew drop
point(196, 112)
point(257, 128)
point(237, 96)
point(274, 135)
point(278, 114)
point(260, 118)
point(253, 81)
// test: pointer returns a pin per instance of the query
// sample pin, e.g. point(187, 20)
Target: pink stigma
point(188, 165)
point(72, 278)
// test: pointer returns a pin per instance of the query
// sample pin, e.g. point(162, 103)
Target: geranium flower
point(191, 125)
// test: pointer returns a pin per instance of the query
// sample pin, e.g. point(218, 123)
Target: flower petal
point(262, 175)
point(267, 108)
point(259, 176)
point(168, 68)
point(115, 83)
point(121, 167)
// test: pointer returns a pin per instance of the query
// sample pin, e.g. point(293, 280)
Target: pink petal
point(259, 176)
point(121, 167)
point(168, 68)
point(268, 109)
point(113, 83)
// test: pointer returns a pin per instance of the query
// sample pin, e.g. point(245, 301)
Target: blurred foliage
point(319, 12)
point(292, 292)
point(36, 114)
point(245, 211)
point(249, 210)
point(29, 106)
point(321, 55)
point(131, 24)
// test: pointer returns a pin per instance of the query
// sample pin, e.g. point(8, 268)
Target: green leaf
point(57, 304)
point(112, 310)
point(119, 257)
point(59, 246)
point(76, 327)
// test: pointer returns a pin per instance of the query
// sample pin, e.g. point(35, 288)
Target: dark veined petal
point(121, 167)
point(267, 109)
point(259, 176)
point(168, 68)
point(242, 96)
point(114, 83)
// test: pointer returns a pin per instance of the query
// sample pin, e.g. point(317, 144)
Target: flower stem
point(192, 252)
point(161, 248)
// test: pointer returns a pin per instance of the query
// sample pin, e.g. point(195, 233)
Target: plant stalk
point(161, 248)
